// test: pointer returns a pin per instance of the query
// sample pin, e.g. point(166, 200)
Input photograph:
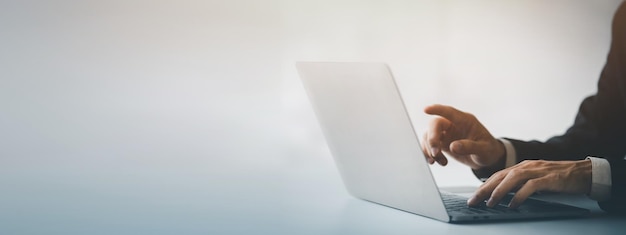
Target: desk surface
point(174, 199)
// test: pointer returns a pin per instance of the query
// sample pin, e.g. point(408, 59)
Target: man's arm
point(600, 125)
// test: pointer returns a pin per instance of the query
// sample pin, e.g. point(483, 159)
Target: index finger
point(435, 134)
point(485, 190)
point(528, 189)
point(445, 111)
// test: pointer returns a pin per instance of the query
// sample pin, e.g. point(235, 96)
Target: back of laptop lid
point(370, 135)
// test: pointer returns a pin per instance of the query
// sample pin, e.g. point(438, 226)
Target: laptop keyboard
point(458, 204)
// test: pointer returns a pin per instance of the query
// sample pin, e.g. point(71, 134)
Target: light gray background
point(185, 117)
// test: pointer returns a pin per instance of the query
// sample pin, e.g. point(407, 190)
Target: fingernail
point(458, 146)
point(434, 151)
point(471, 201)
point(490, 202)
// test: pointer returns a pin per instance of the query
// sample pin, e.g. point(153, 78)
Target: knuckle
point(437, 122)
point(470, 116)
point(433, 122)
point(497, 175)
point(514, 173)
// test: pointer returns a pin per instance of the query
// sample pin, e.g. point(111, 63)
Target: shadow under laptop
point(365, 217)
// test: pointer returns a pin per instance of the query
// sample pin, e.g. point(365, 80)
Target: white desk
point(185, 198)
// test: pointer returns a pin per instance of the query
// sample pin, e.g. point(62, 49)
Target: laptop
point(371, 137)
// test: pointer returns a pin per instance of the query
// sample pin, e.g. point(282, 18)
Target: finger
point(426, 150)
point(465, 159)
point(484, 191)
point(439, 157)
point(468, 147)
point(436, 136)
point(513, 179)
point(445, 111)
point(530, 187)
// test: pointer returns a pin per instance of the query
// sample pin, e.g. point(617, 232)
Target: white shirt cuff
point(511, 156)
point(600, 179)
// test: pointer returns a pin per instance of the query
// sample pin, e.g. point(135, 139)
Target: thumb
point(467, 147)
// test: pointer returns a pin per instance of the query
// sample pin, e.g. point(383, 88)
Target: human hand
point(461, 136)
point(534, 175)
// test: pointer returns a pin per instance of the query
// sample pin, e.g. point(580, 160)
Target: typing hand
point(531, 176)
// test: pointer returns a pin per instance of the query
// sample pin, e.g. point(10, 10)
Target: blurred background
point(188, 116)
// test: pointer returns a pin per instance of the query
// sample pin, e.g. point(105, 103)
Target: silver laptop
point(372, 140)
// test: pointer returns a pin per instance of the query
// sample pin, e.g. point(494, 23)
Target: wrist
point(500, 153)
point(498, 158)
point(498, 164)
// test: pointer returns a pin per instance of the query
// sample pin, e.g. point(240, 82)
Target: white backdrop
point(144, 112)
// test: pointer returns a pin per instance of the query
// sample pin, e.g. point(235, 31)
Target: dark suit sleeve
point(600, 126)
point(617, 203)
